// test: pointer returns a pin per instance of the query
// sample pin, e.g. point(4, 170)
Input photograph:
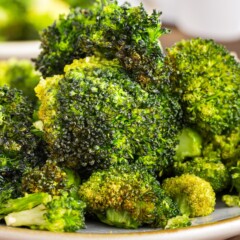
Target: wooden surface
point(175, 36)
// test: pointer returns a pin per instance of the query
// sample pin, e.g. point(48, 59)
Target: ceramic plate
point(223, 223)
point(20, 49)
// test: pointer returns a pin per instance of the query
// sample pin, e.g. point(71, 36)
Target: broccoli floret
point(56, 214)
point(108, 30)
point(190, 144)
point(194, 196)
point(178, 222)
point(206, 77)
point(52, 179)
point(17, 142)
point(231, 200)
point(229, 146)
point(215, 172)
point(235, 176)
point(127, 196)
point(95, 115)
point(19, 74)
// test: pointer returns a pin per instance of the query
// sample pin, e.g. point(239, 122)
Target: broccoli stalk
point(57, 214)
point(190, 144)
point(121, 219)
point(27, 202)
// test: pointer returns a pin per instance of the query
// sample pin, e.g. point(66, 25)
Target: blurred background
point(21, 21)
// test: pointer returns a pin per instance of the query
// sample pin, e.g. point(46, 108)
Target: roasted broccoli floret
point(206, 77)
point(95, 115)
point(194, 196)
point(56, 214)
point(127, 33)
point(231, 200)
point(215, 172)
point(18, 145)
point(52, 179)
point(128, 196)
point(19, 74)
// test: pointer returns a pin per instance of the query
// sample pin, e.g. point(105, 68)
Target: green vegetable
point(128, 196)
point(231, 200)
point(190, 144)
point(206, 77)
point(194, 196)
point(20, 74)
point(111, 31)
point(95, 115)
point(56, 214)
point(215, 172)
point(52, 179)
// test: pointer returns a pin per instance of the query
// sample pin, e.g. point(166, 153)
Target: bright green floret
point(23, 203)
point(94, 115)
point(19, 74)
point(56, 214)
point(215, 172)
point(128, 196)
point(206, 77)
point(190, 144)
point(194, 196)
point(52, 179)
point(231, 200)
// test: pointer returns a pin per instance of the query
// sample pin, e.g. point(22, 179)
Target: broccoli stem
point(121, 219)
point(31, 217)
point(183, 205)
point(27, 202)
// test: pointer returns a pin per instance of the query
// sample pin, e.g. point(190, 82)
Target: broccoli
point(231, 200)
point(229, 146)
point(95, 115)
point(52, 179)
point(19, 74)
point(23, 203)
point(215, 172)
point(19, 147)
point(194, 196)
point(195, 155)
point(56, 214)
point(111, 31)
point(190, 144)
point(128, 196)
point(206, 77)
point(23, 19)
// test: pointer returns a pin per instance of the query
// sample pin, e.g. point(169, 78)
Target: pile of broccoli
point(118, 130)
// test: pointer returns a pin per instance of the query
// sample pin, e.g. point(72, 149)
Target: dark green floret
point(56, 214)
point(111, 31)
point(52, 179)
point(94, 115)
point(128, 196)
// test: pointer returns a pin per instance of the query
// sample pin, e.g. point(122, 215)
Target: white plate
point(20, 49)
point(223, 223)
